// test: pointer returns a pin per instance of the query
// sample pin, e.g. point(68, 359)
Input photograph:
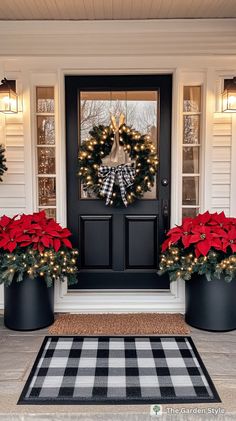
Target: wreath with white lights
point(119, 184)
point(3, 167)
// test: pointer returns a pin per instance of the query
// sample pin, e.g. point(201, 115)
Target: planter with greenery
point(34, 252)
point(202, 251)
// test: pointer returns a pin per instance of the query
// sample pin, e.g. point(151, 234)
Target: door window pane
point(191, 160)
point(45, 99)
point(192, 99)
point(45, 130)
point(140, 109)
point(191, 129)
point(50, 212)
point(47, 191)
point(189, 212)
point(190, 194)
point(191, 149)
point(46, 149)
point(46, 161)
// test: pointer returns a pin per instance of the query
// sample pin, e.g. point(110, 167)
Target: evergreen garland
point(140, 149)
point(49, 265)
point(3, 166)
point(181, 264)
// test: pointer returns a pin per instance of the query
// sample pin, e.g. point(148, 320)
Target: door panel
point(119, 247)
point(96, 237)
point(141, 230)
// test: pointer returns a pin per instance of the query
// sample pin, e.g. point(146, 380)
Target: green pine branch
point(3, 166)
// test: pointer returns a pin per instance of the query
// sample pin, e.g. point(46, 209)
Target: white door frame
point(119, 301)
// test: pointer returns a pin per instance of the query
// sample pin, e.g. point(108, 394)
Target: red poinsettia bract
point(34, 230)
point(204, 232)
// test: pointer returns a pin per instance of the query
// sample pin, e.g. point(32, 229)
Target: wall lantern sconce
point(8, 97)
point(229, 96)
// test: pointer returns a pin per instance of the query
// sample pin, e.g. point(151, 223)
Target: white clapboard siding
point(218, 178)
point(222, 129)
point(219, 209)
point(219, 167)
point(15, 153)
point(221, 190)
point(15, 141)
point(221, 162)
point(12, 189)
point(220, 202)
point(222, 153)
point(14, 178)
point(222, 141)
point(11, 212)
point(14, 167)
point(14, 129)
point(12, 202)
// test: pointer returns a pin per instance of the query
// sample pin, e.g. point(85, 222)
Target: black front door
point(119, 247)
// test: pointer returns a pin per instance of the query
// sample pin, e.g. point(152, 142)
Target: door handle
point(165, 215)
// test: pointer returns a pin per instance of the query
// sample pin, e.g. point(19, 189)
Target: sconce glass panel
point(8, 101)
point(229, 100)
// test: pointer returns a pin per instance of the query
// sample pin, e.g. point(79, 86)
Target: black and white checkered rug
point(124, 370)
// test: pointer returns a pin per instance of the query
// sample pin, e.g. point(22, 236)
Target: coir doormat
point(120, 324)
point(118, 370)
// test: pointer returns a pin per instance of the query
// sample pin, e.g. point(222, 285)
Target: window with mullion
point(191, 145)
point(46, 150)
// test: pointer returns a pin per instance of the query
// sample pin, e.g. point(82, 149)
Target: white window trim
point(233, 168)
point(37, 80)
point(194, 79)
point(220, 86)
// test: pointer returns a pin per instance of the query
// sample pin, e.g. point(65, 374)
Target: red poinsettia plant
point(36, 245)
point(34, 230)
point(205, 244)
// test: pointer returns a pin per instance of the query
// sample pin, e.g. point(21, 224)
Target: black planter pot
point(210, 305)
point(28, 305)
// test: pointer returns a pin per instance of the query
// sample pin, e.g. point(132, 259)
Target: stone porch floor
point(18, 351)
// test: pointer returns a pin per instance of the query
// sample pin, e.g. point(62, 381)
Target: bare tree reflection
point(139, 114)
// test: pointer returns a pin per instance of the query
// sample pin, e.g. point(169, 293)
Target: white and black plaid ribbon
point(125, 176)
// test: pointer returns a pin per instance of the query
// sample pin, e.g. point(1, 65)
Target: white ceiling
point(115, 9)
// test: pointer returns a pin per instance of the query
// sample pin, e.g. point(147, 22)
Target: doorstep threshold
point(119, 291)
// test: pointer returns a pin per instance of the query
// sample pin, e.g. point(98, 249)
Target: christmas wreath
point(117, 163)
point(3, 167)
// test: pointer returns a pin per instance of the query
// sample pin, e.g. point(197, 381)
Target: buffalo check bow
point(125, 175)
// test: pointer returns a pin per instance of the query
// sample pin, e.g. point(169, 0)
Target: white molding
point(38, 79)
point(185, 37)
point(1, 297)
point(192, 78)
point(2, 141)
point(151, 63)
point(50, 27)
point(220, 76)
point(61, 148)
point(176, 149)
point(117, 301)
point(233, 168)
point(28, 144)
point(207, 134)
